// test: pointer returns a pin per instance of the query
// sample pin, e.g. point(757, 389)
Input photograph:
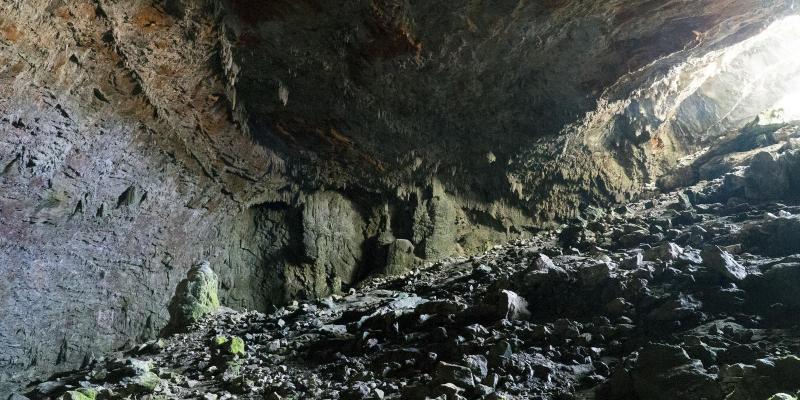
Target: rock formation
point(302, 147)
point(511, 323)
point(195, 297)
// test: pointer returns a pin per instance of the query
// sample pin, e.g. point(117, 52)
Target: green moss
point(143, 383)
point(220, 340)
point(194, 297)
point(81, 394)
point(237, 346)
point(233, 345)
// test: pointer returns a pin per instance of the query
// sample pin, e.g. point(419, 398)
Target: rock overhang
point(450, 116)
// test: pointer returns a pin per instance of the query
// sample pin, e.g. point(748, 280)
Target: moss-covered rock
point(144, 383)
point(194, 297)
point(80, 394)
point(230, 345)
point(236, 346)
point(141, 379)
point(219, 340)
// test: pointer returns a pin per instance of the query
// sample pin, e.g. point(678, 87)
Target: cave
point(397, 199)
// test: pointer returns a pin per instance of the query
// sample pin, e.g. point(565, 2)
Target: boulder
point(666, 372)
point(140, 378)
point(511, 306)
point(233, 346)
point(449, 391)
point(665, 252)
point(478, 365)
point(399, 258)
point(782, 396)
point(542, 262)
point(774, 237)
point(766, 178)
point(80, 394)
point(456, 374)
point(778, 284)
point(595, 274)
point(679, 308)
point(194, 297)
point(543, 271)
point(723, 262)
point(770, 377)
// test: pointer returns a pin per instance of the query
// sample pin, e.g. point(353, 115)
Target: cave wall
point(103, 205)
point(290, 143)
point(99, 223)
point(325, 242)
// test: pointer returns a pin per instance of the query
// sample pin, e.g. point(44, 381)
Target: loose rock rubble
point(677, 297)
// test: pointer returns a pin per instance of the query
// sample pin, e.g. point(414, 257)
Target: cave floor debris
point(676, 297)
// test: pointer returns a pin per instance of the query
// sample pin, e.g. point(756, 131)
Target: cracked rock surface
point(668, 298)
point(302, 146)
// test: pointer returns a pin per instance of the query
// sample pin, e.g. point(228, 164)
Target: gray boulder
point(399, 258)
point(723, 262)
point(453, 373)
point(511, 306)
point(667, 372)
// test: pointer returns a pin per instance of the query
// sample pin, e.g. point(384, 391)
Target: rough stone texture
point(723, 263)
point(263, 238)
point(399, 88)
point(195, 296)
point(127, 147)
point(511, 306)
point(683, 333)
point(104, 207)
point(435, 224)
point(399, 258)
point(333, 233)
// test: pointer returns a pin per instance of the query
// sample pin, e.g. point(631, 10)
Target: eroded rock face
point(333, 233)
point(476, 328)
point(399, 258)
point(127, 147)
point(195, 296)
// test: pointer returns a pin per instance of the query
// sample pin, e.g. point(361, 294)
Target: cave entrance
point(712, 112)
point(756, 78)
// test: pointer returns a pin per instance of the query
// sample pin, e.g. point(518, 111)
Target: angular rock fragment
point(511, 306)
point(478, 364)
point(665, 252)
point(723, 262)
point(775, 237)
point(664, 372)
point(81, 394)
point(140, 378)
point(456, 374)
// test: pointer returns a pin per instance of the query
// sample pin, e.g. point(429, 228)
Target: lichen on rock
point(194, 297)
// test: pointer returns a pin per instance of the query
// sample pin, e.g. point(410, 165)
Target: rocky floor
point(679, 297)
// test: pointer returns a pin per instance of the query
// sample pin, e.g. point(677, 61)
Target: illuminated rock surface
point(670, 327)
point(302, 147)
